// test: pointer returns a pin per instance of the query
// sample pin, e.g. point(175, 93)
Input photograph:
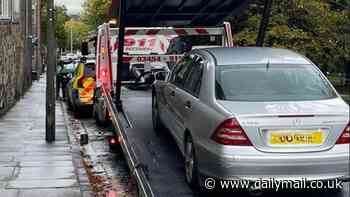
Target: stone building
point(15, 71)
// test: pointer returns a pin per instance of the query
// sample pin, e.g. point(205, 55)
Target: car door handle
point(172, 93)
point(188, 105)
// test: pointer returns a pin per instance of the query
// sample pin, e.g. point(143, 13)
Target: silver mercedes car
point(253, 113)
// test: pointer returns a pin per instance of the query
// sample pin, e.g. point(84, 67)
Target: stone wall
point(14, 76)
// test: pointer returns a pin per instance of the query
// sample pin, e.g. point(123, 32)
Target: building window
point(10, 9)
point(5, 9)
point(16, 10)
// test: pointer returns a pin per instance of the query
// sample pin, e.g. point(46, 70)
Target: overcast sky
point(73, 6)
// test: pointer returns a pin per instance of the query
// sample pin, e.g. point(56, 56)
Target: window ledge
point(7, 21)
point(5, 18)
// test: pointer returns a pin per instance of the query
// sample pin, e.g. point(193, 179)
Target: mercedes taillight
point(345, 136)
point(231, 133)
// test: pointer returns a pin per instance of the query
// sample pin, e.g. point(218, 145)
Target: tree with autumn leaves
point(95, 12)
point(319, 29)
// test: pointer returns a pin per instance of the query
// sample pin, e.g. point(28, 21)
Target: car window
point(264, 83)
point(89, 70)
point(194, 77)
point(69, 66)
point(174, 71)
point(180, 72)
point(76, 72)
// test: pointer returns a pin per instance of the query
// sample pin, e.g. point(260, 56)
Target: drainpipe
point(38, 36)
point(29, 37)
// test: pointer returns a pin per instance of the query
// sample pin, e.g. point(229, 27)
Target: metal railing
point(128, 150)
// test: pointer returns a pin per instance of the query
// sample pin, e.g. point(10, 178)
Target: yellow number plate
point(295, 138)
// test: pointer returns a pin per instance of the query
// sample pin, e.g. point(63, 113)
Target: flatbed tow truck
point(153, 158)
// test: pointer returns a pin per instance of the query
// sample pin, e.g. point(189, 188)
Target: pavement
point(28, 165)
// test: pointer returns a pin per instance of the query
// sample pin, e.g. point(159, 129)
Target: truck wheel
point(99, 110)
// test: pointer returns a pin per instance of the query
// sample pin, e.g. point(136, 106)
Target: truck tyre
point(99, 109)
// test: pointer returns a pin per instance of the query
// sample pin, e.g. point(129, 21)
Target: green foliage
point(61, 17)
point(63, 24)
point(95, 12)
point(79, 32)
point(319, 29)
